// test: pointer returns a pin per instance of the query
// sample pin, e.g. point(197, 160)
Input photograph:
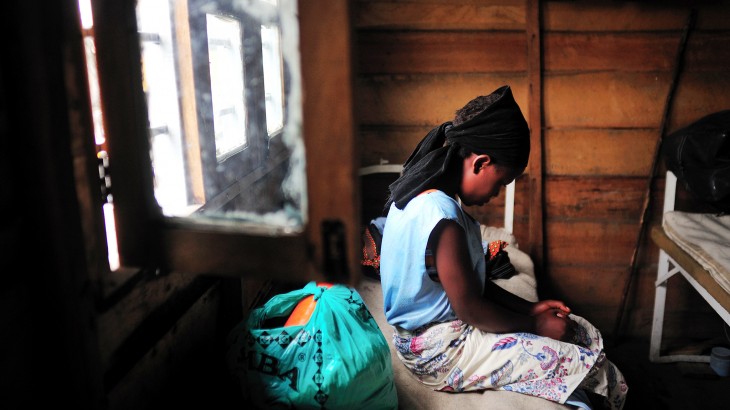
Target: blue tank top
point(411, 299)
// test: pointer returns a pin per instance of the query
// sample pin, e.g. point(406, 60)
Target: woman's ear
point(480, 161)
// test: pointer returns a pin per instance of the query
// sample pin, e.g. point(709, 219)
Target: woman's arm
point(509, 300)
point(463, 289)
point(513, 302)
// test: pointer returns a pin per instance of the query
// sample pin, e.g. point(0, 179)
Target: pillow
point(523, 284)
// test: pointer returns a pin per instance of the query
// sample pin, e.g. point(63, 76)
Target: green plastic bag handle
point(283, 304)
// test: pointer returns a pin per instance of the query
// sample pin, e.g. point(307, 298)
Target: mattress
point(704, 237)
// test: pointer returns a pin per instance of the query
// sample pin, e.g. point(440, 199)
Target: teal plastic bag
point(339, 359)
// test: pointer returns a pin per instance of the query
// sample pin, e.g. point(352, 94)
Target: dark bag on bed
point(699, 155)
point(498, 263)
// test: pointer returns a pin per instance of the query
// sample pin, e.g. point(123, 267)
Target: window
point(226, 83)
point(206, 132)
point(273, 79)
point(213, 83)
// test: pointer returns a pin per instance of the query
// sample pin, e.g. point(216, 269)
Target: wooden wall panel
point(631, 100)
point(445, 15)
point(588, 151)
point(171, 357)
point(117, 323)
point(582, 51)
point(633, 52)
point(590, 243)
point(708, 51)
point(588, 286)
point(632, 16)
point(595, 198)
point(605, 100)
point(412, 52)
point(441, 52)
point(700, 94)
point(594, 293)
point(427, 100)
point(584, 17)
point(389, 144)
point(685, 309)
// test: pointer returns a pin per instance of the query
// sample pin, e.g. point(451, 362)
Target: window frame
point(148, 239)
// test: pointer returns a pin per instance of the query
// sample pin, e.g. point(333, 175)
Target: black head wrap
point(499, 130)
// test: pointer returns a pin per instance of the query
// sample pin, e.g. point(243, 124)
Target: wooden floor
point(670, 386)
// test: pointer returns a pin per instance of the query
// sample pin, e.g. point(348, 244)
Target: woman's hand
point(555, 324)
point(549, 304)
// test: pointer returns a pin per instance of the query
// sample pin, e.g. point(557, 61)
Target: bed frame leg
point(660, 298)
point(657, 325)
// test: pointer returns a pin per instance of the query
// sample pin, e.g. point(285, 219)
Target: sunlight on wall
point(87, 25)
point(111, 236)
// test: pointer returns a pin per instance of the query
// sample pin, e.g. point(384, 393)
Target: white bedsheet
point(705, 237)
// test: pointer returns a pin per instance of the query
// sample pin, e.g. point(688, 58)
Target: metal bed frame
point(673, 260)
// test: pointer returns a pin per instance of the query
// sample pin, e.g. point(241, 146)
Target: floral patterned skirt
point(457, 357)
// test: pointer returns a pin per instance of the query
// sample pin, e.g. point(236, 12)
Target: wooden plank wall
point(607, 68)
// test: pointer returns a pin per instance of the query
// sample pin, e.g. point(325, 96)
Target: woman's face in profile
point(482, 179)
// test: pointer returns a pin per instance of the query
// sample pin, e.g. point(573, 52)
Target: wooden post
point(536, 242)
point(329, 134)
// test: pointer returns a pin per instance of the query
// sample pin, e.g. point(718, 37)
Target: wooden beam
point(189, 111)
point(536, 240)
point(329, 135)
